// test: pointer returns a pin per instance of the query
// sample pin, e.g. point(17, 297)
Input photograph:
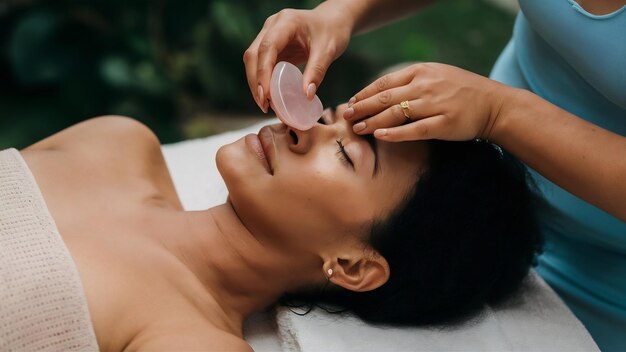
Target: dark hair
point(465, 236)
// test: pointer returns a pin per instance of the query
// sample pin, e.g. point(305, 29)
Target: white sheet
point(537, 321)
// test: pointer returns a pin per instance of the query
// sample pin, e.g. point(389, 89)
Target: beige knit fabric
point(42, 303)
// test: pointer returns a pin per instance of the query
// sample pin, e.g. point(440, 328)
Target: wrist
point(349, 13)
point(508, 104)
point(343, 13)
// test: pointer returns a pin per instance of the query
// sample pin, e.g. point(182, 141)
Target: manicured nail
point(348, 113)
point(262, 101)
point(351, 101)
point(310, 91)
point(261, 95)
point(381, 132)
point(359, 127)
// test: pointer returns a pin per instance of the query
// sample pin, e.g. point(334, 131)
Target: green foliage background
point(168, 63)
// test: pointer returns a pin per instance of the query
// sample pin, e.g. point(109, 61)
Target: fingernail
point(261, 95)
point(359, 127)
point(266, 105)
point(351, 101)
point(381, 132)
point(348, 113)
point(310, 90)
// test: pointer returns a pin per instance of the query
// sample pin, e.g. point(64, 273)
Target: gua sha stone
point(289, 101)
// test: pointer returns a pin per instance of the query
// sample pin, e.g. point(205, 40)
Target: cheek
point(318, 197)
point(314, 184)
point(304, 204)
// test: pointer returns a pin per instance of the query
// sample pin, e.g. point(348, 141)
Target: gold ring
point(405, 109)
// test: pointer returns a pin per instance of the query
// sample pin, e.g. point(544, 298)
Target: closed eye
point(371, 141)
point(343, 156)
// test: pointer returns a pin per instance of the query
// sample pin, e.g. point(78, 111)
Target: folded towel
point(534, 320)
point(42, 303)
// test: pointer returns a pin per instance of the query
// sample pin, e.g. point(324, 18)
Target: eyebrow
point(371, 141)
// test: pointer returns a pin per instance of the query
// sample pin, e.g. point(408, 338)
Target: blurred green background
point(177, 65)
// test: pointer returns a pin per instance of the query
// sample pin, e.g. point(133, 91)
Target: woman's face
point(309, 190)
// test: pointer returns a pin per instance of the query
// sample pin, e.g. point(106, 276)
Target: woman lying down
point(400, 233)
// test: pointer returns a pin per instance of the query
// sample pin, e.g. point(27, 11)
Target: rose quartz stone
point(289, 101)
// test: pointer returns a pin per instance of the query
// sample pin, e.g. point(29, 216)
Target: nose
point(334, 128)
point(300, 141)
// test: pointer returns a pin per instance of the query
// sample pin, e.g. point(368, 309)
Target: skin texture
point(157, 277)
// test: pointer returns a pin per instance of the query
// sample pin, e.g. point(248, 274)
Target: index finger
point(270, 46)
point(250, 59)
point(388, 81)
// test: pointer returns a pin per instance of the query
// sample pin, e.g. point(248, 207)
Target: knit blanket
point(42, 303)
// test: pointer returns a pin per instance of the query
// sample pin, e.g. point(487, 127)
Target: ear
point(358, 271)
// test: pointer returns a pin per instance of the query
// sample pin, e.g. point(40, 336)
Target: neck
point(241, 271)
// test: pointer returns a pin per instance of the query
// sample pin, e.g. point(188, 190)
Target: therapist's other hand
point(315, 36)
point(445, 102)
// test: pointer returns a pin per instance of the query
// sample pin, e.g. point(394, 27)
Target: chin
point(224, 166)
point(240, 172)
point(232, 162)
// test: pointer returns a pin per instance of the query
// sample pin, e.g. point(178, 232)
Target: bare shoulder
point(113, 152)
point(192, 340)
point(103, 131)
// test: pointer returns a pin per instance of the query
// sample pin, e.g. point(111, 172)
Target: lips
point(262, 146)
point(266, 136)
point(254, 145)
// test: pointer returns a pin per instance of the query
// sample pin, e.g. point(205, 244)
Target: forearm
point(365, 15)
point(582, 158)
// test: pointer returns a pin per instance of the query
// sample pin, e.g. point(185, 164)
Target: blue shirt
point(577, 61)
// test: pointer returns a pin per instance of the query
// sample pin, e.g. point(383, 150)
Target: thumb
point(315, 71)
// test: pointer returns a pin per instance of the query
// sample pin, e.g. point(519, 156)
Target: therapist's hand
point(315, 36)
point(445, 102)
